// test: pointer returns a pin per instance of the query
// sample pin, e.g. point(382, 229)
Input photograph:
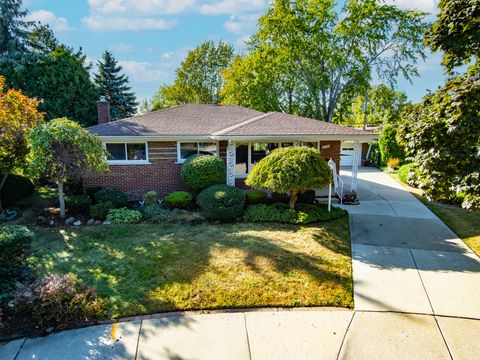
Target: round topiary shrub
point(118, 198)
point(254, 197)
point(178, 199)
point(200, 171)
point(91, 191)
point(150, 198)
point(291, 169)
point(221, 202)
point(77, 203)
point(16, 188)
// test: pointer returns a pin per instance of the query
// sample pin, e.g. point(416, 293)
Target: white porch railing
point(337, 181)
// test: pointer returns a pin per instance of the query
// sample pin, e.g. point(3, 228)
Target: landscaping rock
point(98, 222)
point(52, 222)
point(70, 220)
point(41, 219)
point(91, 221)
point(106, 222)
point(77, 223)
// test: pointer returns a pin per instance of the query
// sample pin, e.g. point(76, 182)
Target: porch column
point(231, 163)
point(356, 154)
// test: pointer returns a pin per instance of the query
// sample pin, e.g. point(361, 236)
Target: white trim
point(181, 161)
point(254, 138)
point(126, 161)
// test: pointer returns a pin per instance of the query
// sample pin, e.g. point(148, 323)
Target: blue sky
point(151, 37)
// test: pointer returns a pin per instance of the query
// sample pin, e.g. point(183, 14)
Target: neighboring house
point(147, 150)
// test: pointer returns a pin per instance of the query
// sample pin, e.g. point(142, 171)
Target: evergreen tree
point(113, 86)
point(14, 30)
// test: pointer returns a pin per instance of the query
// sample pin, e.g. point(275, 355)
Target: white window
point(247, 155)
point(187, 149)
point(127, 153)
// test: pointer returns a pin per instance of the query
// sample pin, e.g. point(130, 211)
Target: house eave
point(275, 138)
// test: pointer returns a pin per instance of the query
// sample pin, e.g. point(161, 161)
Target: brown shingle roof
point(278, 124)
point(183, 120)
point(221, 121)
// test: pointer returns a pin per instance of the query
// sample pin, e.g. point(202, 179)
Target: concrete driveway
point(404, 258)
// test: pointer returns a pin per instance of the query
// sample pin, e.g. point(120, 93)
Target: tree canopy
point(312, 56)
point(442, 138)
point(62, 150)
point(14, 29)
point(456, 32)
point(18, 115)
point(198, 79)
point(33, 60)
point(384, 106)
point(113, 87)
point(293, 169)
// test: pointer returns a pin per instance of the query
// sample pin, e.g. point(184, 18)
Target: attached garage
point(346, 154)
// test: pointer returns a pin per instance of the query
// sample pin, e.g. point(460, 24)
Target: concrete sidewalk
point(405, 258)
point(307, 334)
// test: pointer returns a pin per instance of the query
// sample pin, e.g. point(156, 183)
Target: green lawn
point(144, 268)
point(464, 223)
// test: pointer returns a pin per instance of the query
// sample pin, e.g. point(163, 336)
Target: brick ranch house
point(147, 151)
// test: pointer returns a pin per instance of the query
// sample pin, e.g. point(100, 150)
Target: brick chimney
point(103, 110)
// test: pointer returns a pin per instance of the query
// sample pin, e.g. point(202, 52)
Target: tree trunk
point(293, 199)
point(61, 199)
point(2, 182)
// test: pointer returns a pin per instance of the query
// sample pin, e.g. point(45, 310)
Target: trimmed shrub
point(254, 197)
point(306, 197)
point(124, 216)
point(56, 301)
point(15, 246)
point(221, 202)
point(16, 188)
point(178, 199)
point(77, 203)
point(389, 146)
point(291, 169)
point(200, 171)
point(117, 197)
point(100, 210)
point(91, 191)
point(303, 214)
point(150, 198)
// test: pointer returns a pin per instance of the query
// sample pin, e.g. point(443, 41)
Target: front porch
point(242, 156)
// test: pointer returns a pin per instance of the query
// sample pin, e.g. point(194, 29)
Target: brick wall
point(163, 174)
point(332, 152)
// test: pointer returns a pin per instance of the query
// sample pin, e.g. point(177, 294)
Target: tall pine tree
point(14, 30)
point(113, 86)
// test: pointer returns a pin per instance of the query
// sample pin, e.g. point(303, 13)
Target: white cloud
point(430, 6)
point(231, 6)
point(122, 48)
point(143, 72)
point(99, 23)
point(57, 24)
point(242, 24)
point(136, 7)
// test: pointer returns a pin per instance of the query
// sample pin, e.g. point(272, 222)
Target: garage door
point(346, 155)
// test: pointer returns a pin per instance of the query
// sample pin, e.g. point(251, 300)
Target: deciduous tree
point(63, 150)
point(314, 55)
point(456, 32)
point(18, 115)
point(198, 79)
